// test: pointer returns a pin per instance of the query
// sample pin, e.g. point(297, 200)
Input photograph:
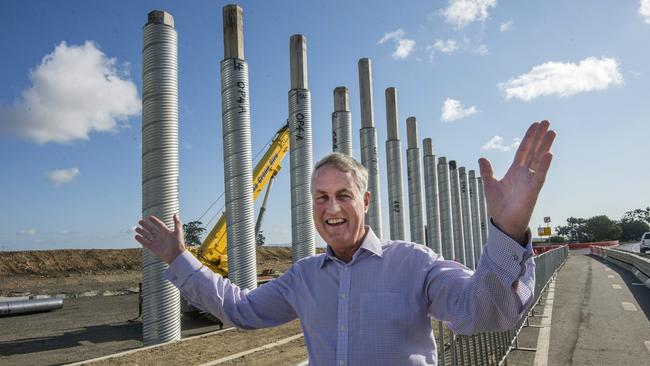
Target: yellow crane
point(213, 251)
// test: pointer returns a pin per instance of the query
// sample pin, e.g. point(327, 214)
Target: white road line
point(616, 287)
point(610, 276)
point(245, 353)
point(628, 306)
point(544, 337)
point(647, 345)
point(608, 269)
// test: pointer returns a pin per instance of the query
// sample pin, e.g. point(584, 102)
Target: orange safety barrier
point(541, 249)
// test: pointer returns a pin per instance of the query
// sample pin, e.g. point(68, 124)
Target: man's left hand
point(511, 200)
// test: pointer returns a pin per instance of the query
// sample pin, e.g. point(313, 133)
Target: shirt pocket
point(383, 318)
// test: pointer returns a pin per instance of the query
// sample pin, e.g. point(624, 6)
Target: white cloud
point(404, 48)
point(396, 34)
point(446, 46)
point(644, 10)
point(496, 143)
point(505, 26)
point(453, 110)
point(403, 45)
point(464, 12)
point(62, 176)
point(564, 79)
point(26, 232)
point(75, 90)
point(450, 46)
point(481, 50)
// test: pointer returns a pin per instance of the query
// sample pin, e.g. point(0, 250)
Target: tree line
point(601, 228)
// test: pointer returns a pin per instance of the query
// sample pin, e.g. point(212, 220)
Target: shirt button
point(343, 296)
point(341, 363)
point(515, 257)
point(342, 328)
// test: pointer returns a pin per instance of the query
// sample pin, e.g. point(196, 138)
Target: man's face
point(339, 208)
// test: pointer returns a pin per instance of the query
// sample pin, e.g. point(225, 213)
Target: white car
point(645, 243)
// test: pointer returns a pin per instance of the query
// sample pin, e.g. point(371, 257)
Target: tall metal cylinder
point(467, 218)
point(457, 212)
point(369, 157)
point(302, 223)
point(341, 122)
point(161, 320)
point(431, 196)
point(414, 175)
point(476, 221)
point(394, 168)
point(446, 216)
point(482, 209)
point(237, 156)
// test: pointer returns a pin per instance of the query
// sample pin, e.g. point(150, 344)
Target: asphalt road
point(600, 315)
point(85, 328)
point(632, 247)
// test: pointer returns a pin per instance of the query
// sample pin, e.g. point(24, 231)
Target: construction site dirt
point(100, 290)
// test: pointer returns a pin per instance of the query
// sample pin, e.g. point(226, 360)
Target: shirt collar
point(371, 243)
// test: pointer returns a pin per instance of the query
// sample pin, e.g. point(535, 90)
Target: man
point(367, 301)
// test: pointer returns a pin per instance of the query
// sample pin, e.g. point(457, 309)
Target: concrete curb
point(603, 253)
point(251, 351)
point(125, 353)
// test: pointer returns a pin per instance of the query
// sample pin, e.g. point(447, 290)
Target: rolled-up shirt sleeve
point(494, 297)
point(266, 306)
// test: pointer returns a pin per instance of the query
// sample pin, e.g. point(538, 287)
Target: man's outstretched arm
point(266, 306)
point(502, 287)
point(492, 298)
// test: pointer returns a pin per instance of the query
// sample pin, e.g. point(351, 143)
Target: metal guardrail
point(636, 263)
point(492, 348)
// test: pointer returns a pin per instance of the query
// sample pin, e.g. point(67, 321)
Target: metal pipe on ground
point(302, 223)
point(9, 308)
point(416, 212)
point(341, 122)
point(368, 135)
point(476, 222)
point(431, 196)
point(238, 162)
point(457, 212)
point(467, 218)
point(160, 299)
point(446, 217)
point(394, 168)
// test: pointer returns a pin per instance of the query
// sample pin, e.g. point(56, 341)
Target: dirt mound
point(55, 263)
point(69, 261)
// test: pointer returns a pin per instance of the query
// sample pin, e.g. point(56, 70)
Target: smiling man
point(367, 301)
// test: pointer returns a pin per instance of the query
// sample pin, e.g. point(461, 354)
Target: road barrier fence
point(638, 264)
point(492, 348)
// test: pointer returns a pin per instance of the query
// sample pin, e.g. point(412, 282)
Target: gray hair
point(346, 164)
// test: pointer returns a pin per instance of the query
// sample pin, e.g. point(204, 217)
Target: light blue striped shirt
point(376, 309)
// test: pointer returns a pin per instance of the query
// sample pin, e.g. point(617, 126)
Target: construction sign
point(544, 231)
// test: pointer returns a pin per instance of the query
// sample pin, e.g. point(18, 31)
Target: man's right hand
point(154, 235)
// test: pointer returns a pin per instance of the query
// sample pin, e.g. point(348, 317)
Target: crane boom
point(213, 251)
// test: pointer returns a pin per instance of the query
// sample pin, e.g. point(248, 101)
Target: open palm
point(511, 200)
point(165, 243)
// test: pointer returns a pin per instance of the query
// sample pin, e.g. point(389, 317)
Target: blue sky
point(473, 74)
